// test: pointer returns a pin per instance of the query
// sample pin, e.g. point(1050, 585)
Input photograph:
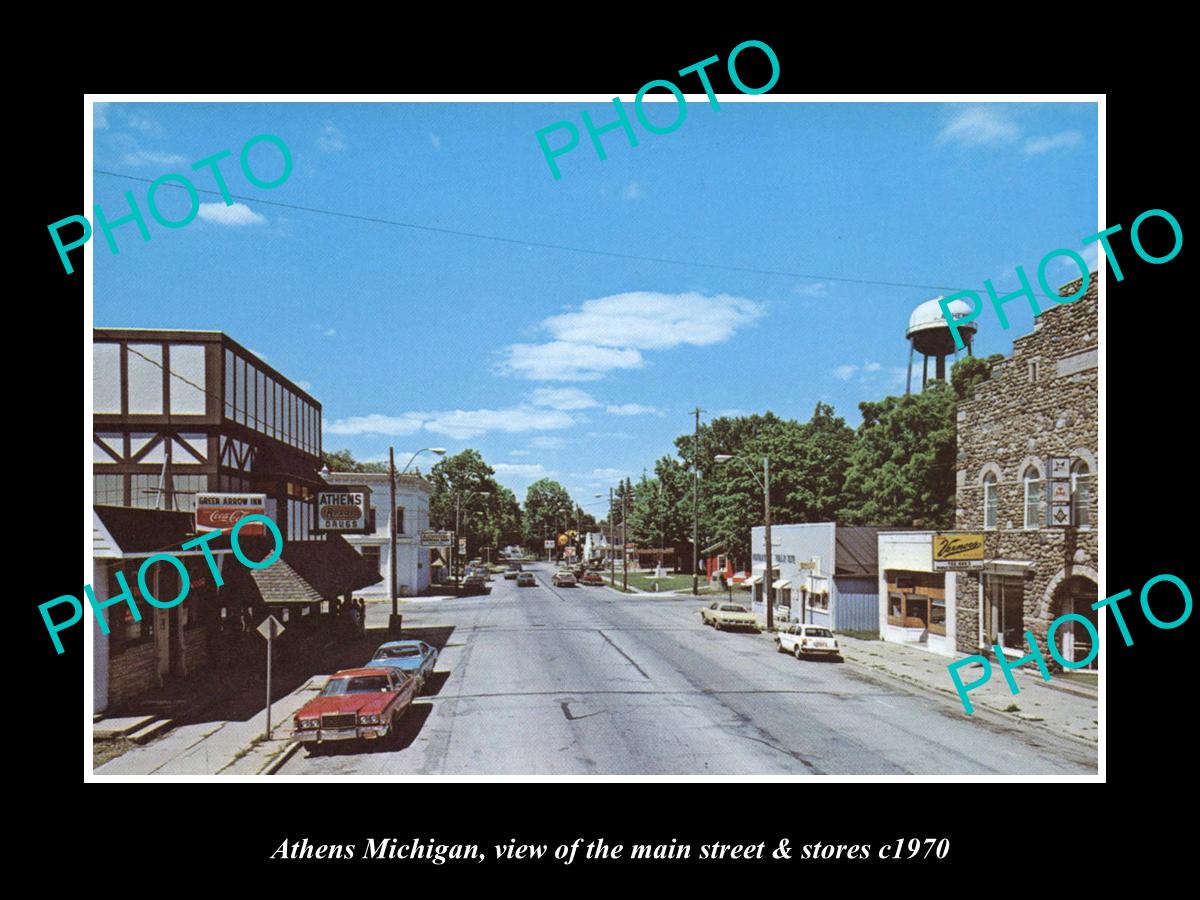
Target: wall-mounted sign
point(1060, 492)
point(437, 538)
point(957, 551)
point(220, 512)
point(549, 545)
point(1060, 467)
point(1060, 515)
point(344, 509)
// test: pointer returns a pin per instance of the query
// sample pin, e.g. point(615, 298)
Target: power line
point(565, 247)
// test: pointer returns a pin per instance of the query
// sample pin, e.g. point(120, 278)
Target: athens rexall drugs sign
point(345, 510)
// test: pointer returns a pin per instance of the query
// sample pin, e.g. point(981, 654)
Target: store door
point(1073, 636)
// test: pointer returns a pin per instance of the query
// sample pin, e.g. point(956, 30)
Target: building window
point(370, 554)
point(1004, 610)
point(1081, 494)
point(1033, 369)
point(1035, 508)
point(399, 520)
point(108, 490)
point(937, 616)
point(991, 500)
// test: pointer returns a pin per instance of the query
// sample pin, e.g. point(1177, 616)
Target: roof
point(306, 571)
point(137, 531)
point(378, 670)
point(929, 315)
point(856, 550)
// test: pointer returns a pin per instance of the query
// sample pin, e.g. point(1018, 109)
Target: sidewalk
point(1069, 710)
point(225, 748)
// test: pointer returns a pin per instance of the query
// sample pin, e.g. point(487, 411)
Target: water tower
point(929, 335)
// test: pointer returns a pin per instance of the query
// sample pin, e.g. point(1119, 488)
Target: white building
point(595, 545)
point(916, 603)
point(823, 574)
point(414, 565)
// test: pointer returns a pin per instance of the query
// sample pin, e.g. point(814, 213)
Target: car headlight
point(308, 723)
point(369, 720)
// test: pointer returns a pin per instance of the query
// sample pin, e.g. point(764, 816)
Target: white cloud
point(1037, 145)
point(139, 157)
point(606, 474)
point(632, 191)
point(459, 423)
point(871, 374)
point(648, 320)
point(1062, 269)
point(237, 214)
point(522, 470)
point(328, 332)
point(978, 126)
point(564, 361)
point(845, 373)
point(613, 435)
point(562, 398)
point(330, 139)
point(141, 123)
point(546, 443)
point(631, 409)
point(436, 140)
point(816, 289)
point(519, 453)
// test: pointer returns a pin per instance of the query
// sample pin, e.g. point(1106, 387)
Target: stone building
point(1027, 464)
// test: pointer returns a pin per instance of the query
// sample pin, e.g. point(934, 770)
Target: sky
point(577, 366)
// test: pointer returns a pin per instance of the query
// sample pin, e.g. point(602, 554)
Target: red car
point(355, 704)
point(591, 578)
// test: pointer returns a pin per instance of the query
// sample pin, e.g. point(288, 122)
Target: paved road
point(581, 681)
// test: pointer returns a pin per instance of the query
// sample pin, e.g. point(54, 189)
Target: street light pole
point(696, 507)
point(624, 541)
point(394, 621)
point(612, 537)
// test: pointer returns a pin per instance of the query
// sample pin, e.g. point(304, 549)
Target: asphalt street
point(588, 681)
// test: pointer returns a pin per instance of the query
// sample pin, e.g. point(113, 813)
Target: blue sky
point(574, 366)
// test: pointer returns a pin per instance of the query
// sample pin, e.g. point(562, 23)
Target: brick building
point(1039, 519)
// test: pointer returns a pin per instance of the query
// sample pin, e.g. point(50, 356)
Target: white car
point(802, 639)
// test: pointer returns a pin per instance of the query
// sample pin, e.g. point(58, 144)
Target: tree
point(458, 482)
point(549, 510)
point(970, 371)
point(344, 461)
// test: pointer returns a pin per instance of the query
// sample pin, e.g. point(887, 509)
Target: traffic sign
point(270, 627)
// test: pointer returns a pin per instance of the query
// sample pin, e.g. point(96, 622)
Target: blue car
point(416, 658)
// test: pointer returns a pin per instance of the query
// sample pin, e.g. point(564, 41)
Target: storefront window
point(937, 616)
point(1004, 610)
point(895, 609)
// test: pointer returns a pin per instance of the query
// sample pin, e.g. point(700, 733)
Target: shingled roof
point(306, 572)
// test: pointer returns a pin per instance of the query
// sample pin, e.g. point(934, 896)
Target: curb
point(287, 753)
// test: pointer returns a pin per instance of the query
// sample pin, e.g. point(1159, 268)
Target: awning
point(720, 545)
point(306, 571)
point(752, 581)
point(438, 562)
point(782, 583)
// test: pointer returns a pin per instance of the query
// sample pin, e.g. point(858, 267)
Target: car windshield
point(728, 608)
point(397, 652)
point(818, 632)
point(359, 684)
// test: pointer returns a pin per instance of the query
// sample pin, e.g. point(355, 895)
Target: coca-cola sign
point(220, 512)
point(344, 508)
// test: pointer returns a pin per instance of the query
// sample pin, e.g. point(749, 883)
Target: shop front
point(916, 596)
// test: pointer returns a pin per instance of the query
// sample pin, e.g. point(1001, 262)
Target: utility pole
point(394, 621)
point(696, 506)
point(769, 573)
point(624, 540)
point(612, 537)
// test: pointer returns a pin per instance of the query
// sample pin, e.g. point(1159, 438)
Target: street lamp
point(394, 621)
point(456, 563)
point(768, 572)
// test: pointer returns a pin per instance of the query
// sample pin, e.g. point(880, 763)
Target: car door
point(428, 655)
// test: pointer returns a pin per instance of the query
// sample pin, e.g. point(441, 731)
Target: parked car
point(563, 578)
point(803, 639)
point(416, 658)
point(513, 570)
point(356, 704)
point(591, 578)
point(728, 615)
point(526, 579)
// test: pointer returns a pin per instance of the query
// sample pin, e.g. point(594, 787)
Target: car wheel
point(718, 626)
point(797, 652)
point(778, 645)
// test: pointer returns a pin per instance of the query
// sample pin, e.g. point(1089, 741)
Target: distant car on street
point(356, 704)
point(563, 578)
point(415, 658)
point(728, 615)
point(805, 639)
point(591, 578)
point(513, 570)
point(526, 579)
point(475, 584)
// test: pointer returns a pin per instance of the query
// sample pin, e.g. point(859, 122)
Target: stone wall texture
point(1042, 401)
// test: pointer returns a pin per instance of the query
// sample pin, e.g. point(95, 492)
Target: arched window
point(1035, 508)
point(1081, 494)
point(991, 500)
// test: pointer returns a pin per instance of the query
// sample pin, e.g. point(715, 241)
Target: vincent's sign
point(958, 551)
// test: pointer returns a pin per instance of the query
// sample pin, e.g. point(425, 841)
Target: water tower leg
point(924, 370)
point(912, 349)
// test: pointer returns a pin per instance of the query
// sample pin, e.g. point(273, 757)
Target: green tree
point(549, 510)
point(461, 480)
point(344, 461)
